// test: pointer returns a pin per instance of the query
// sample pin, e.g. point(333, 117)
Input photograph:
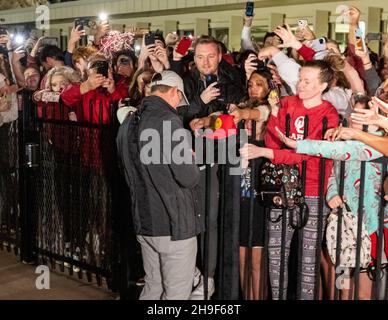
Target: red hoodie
point(294, 106)
point(72, 97)
point(91, 138)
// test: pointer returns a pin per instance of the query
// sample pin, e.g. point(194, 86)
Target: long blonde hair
point(70, 75)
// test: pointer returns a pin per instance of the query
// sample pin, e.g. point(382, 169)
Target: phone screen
point(360, 39)
point(249, 9)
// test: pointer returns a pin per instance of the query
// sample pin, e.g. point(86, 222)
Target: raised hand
point(250, 66)
point(289, 39)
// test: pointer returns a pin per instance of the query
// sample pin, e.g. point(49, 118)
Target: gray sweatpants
point(169, 267)
point(309, 242)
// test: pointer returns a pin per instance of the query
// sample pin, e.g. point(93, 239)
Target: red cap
point(224, 127)
point(228, 58)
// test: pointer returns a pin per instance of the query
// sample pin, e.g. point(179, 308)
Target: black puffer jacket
point(164, 199)
point(231, 89)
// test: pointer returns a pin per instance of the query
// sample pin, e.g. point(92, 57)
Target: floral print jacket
point(353, 153)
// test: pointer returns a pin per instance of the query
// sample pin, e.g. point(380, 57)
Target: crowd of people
point(269, 90)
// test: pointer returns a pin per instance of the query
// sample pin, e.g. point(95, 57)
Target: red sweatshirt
point(293, 105)
point(92, 143)
point(72, 97)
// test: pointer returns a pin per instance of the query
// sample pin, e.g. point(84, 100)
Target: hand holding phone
point(212, 91)
point(184, 45)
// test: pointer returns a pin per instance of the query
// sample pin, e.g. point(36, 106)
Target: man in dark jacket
point(205, 100)
point(163, 189)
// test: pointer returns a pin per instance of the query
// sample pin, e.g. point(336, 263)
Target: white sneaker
point(199, 292)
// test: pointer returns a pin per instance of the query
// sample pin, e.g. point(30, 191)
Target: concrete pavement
point(17, 282)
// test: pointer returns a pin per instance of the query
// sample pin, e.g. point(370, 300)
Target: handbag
point(281, 188)
point(348, 240)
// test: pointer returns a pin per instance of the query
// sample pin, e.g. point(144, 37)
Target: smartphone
point(319, 44)
point(184, 45)
point(302, 23)
point(249, 8)
point(210, 78)
point(360, 36)
point(79, 22)
point(102, 67)
point(149, 39)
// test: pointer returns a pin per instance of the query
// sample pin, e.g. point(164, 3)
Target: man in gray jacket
point(159, 168)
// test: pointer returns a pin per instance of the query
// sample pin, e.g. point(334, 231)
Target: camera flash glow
point(137, 47)
point(19, 39)
point(11, 35)
point(103, 16)
point(190, 36)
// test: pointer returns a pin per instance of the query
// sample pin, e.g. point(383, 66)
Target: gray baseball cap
point(171, 79)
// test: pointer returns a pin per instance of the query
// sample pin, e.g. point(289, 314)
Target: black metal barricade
point(66, 204)
point(9, 187)
point(331, 281)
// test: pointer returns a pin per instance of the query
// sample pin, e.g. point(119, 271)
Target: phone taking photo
point(360, 36)
point(149, 39)
point(319, 44)
point(249, 9)
point(102, 67)
point(79, 22)
point(210, 78)
point(184, 45)
point(302, 23)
